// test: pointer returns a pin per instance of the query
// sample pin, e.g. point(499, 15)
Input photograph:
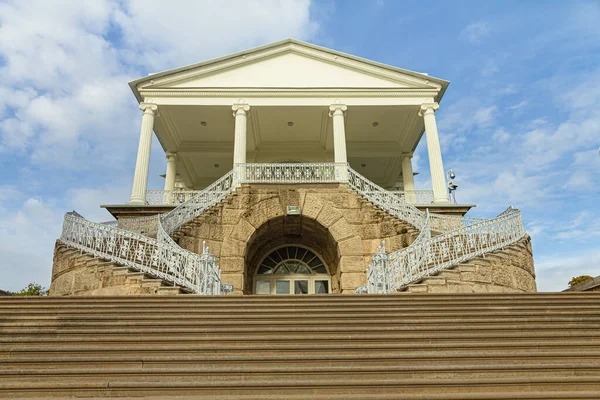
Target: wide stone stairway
point(405, 346)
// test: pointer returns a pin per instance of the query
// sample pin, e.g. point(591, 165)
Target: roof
point(284, 44)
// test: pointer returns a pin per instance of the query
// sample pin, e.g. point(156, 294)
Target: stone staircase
point(82, 274)
point(477, 346)
point(503, 270)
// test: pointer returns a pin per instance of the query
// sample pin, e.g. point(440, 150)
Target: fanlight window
point(291, 260)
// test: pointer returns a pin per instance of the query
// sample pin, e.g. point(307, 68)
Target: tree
point(33, 289)
point(579, 279)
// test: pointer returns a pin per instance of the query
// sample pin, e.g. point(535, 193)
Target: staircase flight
point(145, 244)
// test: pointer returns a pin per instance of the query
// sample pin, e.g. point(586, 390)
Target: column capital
point(148, 107)
point(407, 155)
point(337, 109)
point(428, 108)
point(240, 107)
point(171, 155)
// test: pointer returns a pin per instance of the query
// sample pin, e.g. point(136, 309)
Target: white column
point(408, 178)
point(336, 111)
point(239, 140)
point(438, 180)
point(140, 177)
point(170, 177)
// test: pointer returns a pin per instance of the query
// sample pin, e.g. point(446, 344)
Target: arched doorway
point(292, 269)
point(282, 247)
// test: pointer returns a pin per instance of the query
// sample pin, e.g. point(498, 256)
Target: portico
point(289, 102)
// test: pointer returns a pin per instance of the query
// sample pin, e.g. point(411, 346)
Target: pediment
point(289, 65)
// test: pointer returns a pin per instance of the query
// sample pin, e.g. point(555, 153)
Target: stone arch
point(291, 229)
point(351, 227)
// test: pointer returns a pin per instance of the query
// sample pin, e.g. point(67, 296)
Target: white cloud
point(172, 34)
point(518, 105)
point(27, 236)
point(553, 272)
point(67, 112)
point(500, 135)
point(475, 32)
point(489, 68)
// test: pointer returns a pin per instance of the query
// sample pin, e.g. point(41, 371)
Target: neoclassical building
point(289, 171)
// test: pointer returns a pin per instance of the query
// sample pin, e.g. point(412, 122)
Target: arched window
point(292, 269)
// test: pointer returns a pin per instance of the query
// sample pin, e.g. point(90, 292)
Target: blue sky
point(519, 124)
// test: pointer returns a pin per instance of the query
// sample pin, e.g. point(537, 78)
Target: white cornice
point(333, 92)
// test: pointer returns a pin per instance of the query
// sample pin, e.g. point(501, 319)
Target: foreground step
point(542, 346)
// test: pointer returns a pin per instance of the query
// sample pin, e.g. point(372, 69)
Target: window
point(292, 270)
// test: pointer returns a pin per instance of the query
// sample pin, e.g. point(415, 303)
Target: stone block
point(242, 230)
point(351, 264)
point(371, 246)
point(237, 280)
point(271, 208)
point(230, 265)
point(351, 247)
point(231, 217)
point(328, 215)
point(353, 216)
point(351, 280)
point(312, 205)
point(233, 248)
point(341, 230)
point(370, 231)
point(503, 275)
point(216, 232)
point(201, 231)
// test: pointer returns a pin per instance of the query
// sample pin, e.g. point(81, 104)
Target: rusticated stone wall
point(338, 224)
point(80, 274)
point(505, 270)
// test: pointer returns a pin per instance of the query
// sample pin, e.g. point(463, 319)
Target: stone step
point(324, 385)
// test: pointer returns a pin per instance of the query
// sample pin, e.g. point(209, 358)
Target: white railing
point(130, 242)
point(386, 200)
point(415, 196)
point(290, 172)
point(200, 202)
point(160, 257)
point(169, 197)
point(428, 255)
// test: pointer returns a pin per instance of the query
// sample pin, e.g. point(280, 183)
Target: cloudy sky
point(519, 124)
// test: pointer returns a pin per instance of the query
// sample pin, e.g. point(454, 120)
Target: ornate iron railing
point(169, 197)
point(386, 200)
point(428, 255)
point(160, 257)
point(415, 196)
point(200, 202)
point(145, 243)
point(290, 172)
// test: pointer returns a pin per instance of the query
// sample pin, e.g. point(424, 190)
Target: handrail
point(458, 239)
point(388, 201)
point(428, 255)
point(160, 257)
point(199, 203)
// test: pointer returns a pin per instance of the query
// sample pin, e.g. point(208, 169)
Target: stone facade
point(337, 224)
point(340, 226)
point(80, 274)
point(506, 270)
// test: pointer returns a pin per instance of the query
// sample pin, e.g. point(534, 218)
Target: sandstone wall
point(77, 274)
point(506, 270)
point(338, 224)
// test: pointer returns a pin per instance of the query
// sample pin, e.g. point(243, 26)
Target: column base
point(136, 201)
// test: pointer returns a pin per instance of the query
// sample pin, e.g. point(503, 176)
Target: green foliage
point(33, 289)
point(579, 279)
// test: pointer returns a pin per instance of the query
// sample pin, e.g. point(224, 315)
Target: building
point(289, 172)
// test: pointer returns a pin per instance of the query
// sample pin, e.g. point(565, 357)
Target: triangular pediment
point(289, 64)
